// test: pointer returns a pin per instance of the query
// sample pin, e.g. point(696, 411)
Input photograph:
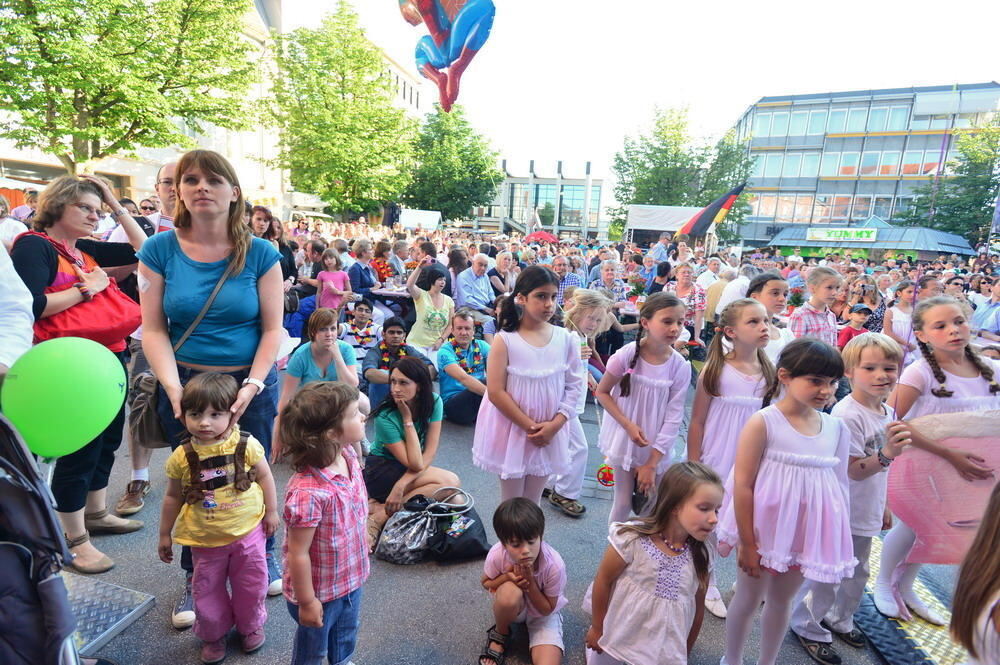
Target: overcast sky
point(568, 79)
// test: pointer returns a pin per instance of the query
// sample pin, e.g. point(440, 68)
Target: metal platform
point(102, 610)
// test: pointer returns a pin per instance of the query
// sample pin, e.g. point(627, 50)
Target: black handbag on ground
point(458, 537)
point(407, 536)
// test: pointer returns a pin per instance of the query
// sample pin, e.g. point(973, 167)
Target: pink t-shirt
point(338, 279)
point(550, 573)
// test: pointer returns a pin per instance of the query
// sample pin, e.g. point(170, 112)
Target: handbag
point(144, 425)
point(107, 318)
point(407, 535)
point(459, 538)
point(291, 301)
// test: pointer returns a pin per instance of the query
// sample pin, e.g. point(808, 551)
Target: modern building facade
point(564, 204)
point(837, 158)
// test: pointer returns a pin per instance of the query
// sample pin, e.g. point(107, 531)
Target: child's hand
point(645, 478)
point(592, 383)
point(311, 614)
point(593, 637)
point(749, 560)
point(166, 549)
point(517, 579)
point(636, 435)
point(271, 523)
point(886, 519)
point(898, 438)
point(545, 433)
point(969, 465)
point(526, 574)
point(586, 352)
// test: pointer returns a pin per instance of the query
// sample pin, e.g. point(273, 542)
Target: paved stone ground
point(425, 614)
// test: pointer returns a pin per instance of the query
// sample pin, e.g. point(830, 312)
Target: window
point(758, 165)
point(791, 168)
point(903, 204)
point(786, 208)
point(767, 206)
point(899, 116)
point(939, 122)
point(753, 200)
point(877, 119)
point(869, 163)
point(838, 121)
point(931, 160)
point(773, 167)
point(817, 123)
point(803, 208)
point(810, 165)
point(862, 208)
point(840, 207)
point(890, 163)
point(882, 207)
point(779, 124)
point(800, 119)
point(821, 209)
point(545, 194)
point(848, 163)
point(571, 205)
point(595, 204)
point(920, 122)
point(828, 166)
point(912, 160)
point(856, 120)
point(762, 124)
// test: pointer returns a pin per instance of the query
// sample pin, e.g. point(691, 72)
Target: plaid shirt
point(807, 321)
point(571, 279)
point(619, 290)
point(337, 507)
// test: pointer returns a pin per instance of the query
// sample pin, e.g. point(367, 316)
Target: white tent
point(419, 219)
point(658, 218)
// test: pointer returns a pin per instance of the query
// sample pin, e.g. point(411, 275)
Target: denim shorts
point(335, 641)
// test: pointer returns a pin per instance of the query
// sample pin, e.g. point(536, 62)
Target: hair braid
point(928, 354)
point(984, 368)
point(773, 387)
point(626, 383)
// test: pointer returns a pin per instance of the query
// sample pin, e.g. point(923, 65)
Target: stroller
point(38, 620)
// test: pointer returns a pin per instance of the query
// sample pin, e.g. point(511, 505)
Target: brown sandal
point(102, 566)
point(92, 522)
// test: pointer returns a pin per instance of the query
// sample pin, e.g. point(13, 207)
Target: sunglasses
point(148, 208)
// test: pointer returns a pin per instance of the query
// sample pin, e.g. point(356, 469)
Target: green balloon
point(62, 393)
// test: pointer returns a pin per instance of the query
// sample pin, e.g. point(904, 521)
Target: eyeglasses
point(166, 182)
point(87, 210)
point(148, 208)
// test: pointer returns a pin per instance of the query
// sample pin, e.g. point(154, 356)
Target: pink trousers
point(243, 565)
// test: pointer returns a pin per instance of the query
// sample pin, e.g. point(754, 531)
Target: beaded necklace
point(384, 351)
point(477, 356)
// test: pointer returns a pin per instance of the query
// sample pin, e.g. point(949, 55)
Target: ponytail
point(714, 364)
point(626, 382)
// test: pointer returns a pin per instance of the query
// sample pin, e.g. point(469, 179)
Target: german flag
point(713, 213)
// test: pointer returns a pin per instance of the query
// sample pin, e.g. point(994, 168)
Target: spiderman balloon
point(458, 29)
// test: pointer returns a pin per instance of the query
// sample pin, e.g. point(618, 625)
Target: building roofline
point(958, 87)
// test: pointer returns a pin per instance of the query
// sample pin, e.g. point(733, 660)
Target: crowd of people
point(804, 373)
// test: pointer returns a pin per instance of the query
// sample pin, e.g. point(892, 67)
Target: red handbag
point(108, 318)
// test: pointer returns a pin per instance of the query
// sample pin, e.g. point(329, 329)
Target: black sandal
point(571, 507)
point(821, 652)
point(498, 657)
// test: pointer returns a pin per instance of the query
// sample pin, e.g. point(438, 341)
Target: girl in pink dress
point(334, 283)
point(644, 392)
point(730, 390)
point(533, 384)
point(787, 510)
point(949, 377)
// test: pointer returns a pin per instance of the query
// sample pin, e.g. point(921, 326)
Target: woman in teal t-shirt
point(322, 358)
point(407, 431)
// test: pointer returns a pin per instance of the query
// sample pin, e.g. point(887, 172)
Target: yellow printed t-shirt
point(226, 514)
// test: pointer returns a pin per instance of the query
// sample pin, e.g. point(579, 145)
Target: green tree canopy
point(341, 136)
point(456, 169)
point(83, 80)
point(963, 203)
point(668, 166)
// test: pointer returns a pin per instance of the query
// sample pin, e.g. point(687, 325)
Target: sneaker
point(253, 641)
point(213, 652)
point(921, 609)
point(821, 652)
point(856, 638)
point(274, 584)
point(131, 502)
point(183, 616)
point(714, 602)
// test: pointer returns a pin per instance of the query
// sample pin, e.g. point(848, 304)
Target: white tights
point(529, 487)
point(776, 591)
point(896, 546)
point(622, 506)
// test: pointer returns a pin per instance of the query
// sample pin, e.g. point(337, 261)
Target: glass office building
point(837, 158)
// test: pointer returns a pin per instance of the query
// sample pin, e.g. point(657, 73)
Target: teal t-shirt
point(230, 332)
point(447, 356)
point(302, 365)
point(389, 428)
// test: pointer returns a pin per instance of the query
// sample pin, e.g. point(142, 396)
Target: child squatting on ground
point(221, 501)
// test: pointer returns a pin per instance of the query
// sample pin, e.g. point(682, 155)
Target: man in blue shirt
point(560, 265)
point(986, 318)
point(462, 370)
point(661, 250)
point(474, 291)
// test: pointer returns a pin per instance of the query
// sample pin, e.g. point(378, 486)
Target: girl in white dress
point(730, 389)
point(975, 619)
point(898, 323)
point(771, 290)
point(644, 391)
point(647, 599)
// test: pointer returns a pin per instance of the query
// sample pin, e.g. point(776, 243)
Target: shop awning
point(873, 234)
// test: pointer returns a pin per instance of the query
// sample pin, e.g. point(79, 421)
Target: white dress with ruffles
point(740, 396)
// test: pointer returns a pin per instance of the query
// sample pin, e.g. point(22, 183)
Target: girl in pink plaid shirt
point(326, 508)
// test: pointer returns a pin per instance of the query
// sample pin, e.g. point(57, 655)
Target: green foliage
point(83, 80)
point(456, 169)
point(341, 136)
point(963, 203)
point(668, 166)
point(547, 214)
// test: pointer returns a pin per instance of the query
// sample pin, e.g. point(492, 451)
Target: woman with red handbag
point(62, 266)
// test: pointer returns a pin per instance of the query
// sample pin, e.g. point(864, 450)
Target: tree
point(669, 167)
point(963, 203)
point(547, 214)
point(341, 136)
point(456, 168)
point(85, 80)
